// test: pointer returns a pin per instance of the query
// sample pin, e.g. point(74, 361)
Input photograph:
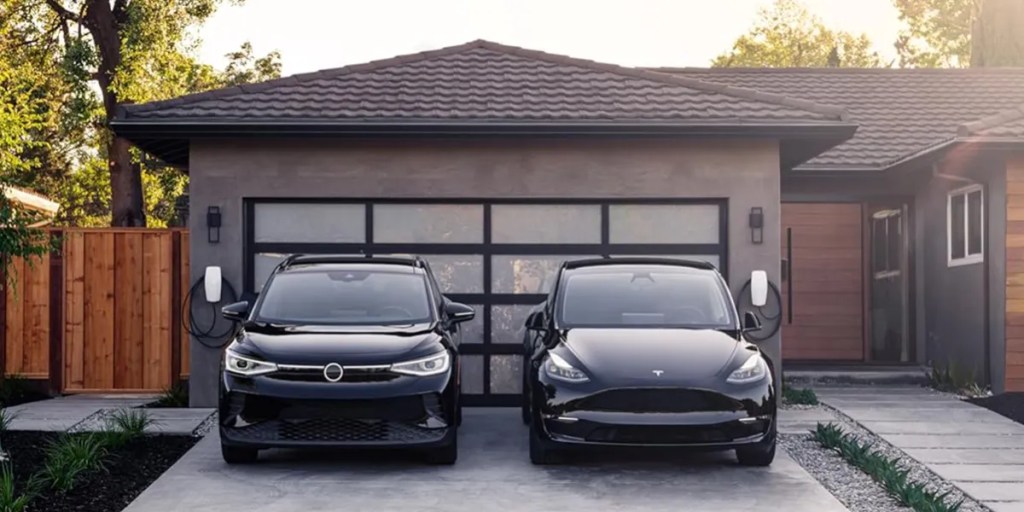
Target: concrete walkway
point(84, 413)
point(979, 451)
point(493, 474)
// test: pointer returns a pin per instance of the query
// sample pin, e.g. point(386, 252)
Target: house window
point(965, 225)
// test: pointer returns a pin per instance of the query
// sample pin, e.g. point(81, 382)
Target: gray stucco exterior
point(224, 172)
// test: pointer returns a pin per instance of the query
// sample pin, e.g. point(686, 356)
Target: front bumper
point(658, 416)
point(265, 412)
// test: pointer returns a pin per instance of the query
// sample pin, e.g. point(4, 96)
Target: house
point(889, 215)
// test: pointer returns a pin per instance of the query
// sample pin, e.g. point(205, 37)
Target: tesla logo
point(658, 372)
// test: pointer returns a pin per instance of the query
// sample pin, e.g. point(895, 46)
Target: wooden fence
point(101, 314)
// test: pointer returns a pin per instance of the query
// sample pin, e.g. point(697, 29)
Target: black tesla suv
point(347, 351)
point(646, 352)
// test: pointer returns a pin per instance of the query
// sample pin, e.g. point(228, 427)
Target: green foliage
point(937, 33)
point(70, 456)
point(889, 473)
point(6, 418)
point(787, 35)
point(244, 67)
point(11, 500)
point(953, 379)
point(127, 424)
point(174, 396)
point(799, 396)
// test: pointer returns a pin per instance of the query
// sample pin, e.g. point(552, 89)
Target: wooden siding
point(1015, 274)
point(827, 282)
point(118, 297)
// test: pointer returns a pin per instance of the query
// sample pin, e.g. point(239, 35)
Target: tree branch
point(62, 11)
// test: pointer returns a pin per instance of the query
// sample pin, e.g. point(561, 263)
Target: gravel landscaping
point(1010, 405)
point(129, 470)
point(855, 489)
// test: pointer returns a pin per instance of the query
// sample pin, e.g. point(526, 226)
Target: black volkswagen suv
point(346, 351)
point(647, 352)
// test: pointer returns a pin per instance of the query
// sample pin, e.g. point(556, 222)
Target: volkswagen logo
point(333, 372)
point(657, 373)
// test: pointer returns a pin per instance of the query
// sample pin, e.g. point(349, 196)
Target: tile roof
point(484, 81)
point(1006, 124)
point(900, 112)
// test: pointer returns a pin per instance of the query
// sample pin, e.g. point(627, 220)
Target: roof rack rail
point(637, 260)
point(311, 259)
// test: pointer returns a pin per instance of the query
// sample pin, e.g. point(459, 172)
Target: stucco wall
point(223, 172)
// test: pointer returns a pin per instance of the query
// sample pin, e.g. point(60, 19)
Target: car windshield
point(345, 297)
point(645, 297)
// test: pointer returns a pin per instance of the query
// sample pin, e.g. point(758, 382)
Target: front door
point(823, 285)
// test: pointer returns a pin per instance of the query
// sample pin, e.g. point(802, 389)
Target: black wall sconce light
point(213, 224)
point(757, 225)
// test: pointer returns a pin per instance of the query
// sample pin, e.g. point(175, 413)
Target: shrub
point(6, 418)
point(953, 379)
point(127, 424)
point(884, 470)
point(10, 499)
point(174, 396)
point(70, 456)
point(799, 396)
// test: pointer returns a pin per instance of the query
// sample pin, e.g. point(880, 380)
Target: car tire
point(759, 454)
point(541, 451)
point(445, 455)
point(238, 454)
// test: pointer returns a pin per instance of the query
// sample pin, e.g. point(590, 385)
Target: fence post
point(57, 313)
point(3, 315)
point(175, 308)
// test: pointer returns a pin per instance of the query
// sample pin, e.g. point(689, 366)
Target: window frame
point(967, 258)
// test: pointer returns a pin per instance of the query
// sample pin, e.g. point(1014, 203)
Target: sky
point(322, 34)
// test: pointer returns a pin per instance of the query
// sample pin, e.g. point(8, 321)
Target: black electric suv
point(646, 352)
point(347, 351)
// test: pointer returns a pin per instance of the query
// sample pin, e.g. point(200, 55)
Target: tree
point(787, 35)
point(127, 51)
point(958, 33)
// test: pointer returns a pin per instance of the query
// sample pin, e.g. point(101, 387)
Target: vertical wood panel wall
point(1015, 274)
point(117, 311)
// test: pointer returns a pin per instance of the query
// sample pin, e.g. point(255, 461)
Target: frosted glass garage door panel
point(663, 224)
point(508, 322)
point(525, 274)
point(473, 331)
point(457, 273)
point(472, 374)
point(428, 223)
point(546, 224)
point(310, 223)
point(506, 374)
point(262, 265)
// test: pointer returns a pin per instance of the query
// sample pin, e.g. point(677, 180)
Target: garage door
point(499, 257)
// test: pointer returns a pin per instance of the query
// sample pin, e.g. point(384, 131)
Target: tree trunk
point(125, 178)
point(996, 36)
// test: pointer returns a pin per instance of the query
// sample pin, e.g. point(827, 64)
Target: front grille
point(336, 430)
point(405, 408)
point(673, 434)
point(316, 374)
point(671, 400)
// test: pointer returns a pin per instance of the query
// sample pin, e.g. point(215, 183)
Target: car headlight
point(433, 365)
point(246, 366)
point(752, 370)
point(558, 368)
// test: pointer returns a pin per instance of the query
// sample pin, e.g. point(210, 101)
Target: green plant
point(10, 499)
point(6, 418)
point(888, 472)
point(953, 379)
point(799, 396)
point(127, 424)
point(174, 396)
point(70, 456)
point(13, 388)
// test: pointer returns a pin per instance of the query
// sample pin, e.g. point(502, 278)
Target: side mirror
point(536, 321)
point(236, 312)
point(758, 288)
point(751, 322)
point(458, 312)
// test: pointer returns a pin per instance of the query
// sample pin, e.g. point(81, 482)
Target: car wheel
point(238, 454)
point(541, 451)
point(444, 455)
point(760, 454)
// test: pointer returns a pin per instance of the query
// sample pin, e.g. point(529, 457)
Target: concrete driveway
point(493, 473)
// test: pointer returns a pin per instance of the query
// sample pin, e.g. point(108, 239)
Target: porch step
point(878, 375)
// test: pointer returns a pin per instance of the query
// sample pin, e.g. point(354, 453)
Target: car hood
point(311, 346)
point(640, 354)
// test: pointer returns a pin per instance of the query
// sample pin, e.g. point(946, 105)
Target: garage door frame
point(486, 249)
